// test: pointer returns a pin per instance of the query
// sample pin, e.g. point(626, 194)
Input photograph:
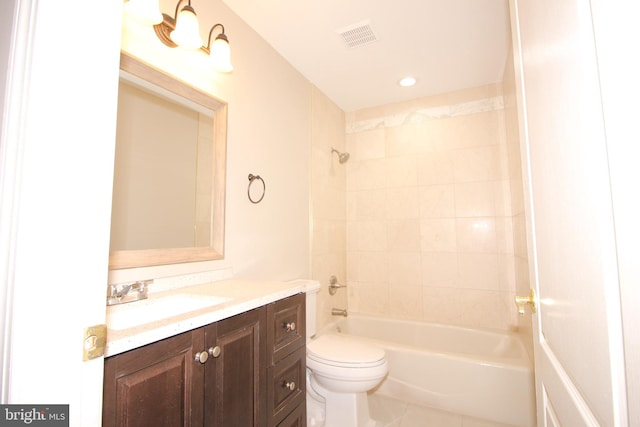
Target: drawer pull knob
point(215, 351)
point(291, 385)
point(202, 356)
point(290, 326)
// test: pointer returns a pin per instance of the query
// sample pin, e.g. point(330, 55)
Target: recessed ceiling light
point(407, 81)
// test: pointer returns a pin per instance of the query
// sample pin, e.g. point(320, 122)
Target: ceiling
point(445, 44)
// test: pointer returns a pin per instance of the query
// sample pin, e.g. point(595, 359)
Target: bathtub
point(476, 373)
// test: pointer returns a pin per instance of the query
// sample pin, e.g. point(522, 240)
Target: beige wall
point(268, 135)
point(429, 211)
point(328, 209)
point(420, 222)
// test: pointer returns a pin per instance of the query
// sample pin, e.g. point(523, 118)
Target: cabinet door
point(235, 379)
point(159, 384)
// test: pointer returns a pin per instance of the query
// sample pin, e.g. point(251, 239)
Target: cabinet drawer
point(286, 320)
point(297, 418)
point(286, 386)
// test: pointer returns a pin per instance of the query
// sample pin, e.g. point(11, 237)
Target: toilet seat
point(335, 350)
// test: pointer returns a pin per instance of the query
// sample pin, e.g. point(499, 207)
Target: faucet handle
point(141, 287)
point(334, 285)
point(117, 295)
point(111, 290)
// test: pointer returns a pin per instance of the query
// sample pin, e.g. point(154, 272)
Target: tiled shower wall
point(328, 211)
point(430, 215)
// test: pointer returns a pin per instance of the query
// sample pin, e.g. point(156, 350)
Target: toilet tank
point(311, 290)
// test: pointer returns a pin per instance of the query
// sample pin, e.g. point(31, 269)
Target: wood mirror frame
point(121, 259)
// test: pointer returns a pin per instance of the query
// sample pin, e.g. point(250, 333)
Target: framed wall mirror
point(169, 178)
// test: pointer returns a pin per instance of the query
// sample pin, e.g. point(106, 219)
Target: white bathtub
point(477, 373)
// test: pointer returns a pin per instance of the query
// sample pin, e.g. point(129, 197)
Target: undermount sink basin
point(138, 313)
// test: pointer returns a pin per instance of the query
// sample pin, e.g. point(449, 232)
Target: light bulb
point(220, 54)
point(187, 31)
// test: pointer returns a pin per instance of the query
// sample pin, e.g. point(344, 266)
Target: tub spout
point(339, 312)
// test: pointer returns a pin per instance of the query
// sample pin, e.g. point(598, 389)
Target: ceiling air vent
point(358, 35)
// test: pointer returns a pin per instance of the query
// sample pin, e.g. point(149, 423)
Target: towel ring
point(253, 178)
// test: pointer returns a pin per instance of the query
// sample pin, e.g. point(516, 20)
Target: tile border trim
point(424, 114)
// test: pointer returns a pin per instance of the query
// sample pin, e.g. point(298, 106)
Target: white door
point(58, 141)
point(580, 376)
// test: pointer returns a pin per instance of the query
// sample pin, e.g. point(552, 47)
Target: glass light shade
point(187, 31)
point(220, 55)
point(145, 11)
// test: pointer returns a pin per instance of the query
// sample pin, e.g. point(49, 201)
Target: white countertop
point(240, 295)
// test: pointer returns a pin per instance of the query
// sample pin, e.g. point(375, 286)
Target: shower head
point(342, 157)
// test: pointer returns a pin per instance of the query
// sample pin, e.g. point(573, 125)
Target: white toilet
point(340, 371)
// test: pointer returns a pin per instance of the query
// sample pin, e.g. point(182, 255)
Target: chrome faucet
point(339, 312)
point(124, 293)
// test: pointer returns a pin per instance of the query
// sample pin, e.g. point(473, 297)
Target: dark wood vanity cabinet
point(155, 385)
point(244, 371)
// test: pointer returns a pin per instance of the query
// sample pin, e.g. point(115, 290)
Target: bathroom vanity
point(224, 353)
point(238, 363)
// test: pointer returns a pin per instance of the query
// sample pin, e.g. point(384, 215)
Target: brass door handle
point(521, 301)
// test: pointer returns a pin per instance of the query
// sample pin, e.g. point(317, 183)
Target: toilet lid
point(337, 350)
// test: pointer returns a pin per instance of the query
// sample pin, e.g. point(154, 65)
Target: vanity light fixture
point(183, 30)
point(186, 33)
point(219, 51)
point(180, 30)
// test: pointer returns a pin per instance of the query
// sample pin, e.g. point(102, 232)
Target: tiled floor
point(389, 412)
